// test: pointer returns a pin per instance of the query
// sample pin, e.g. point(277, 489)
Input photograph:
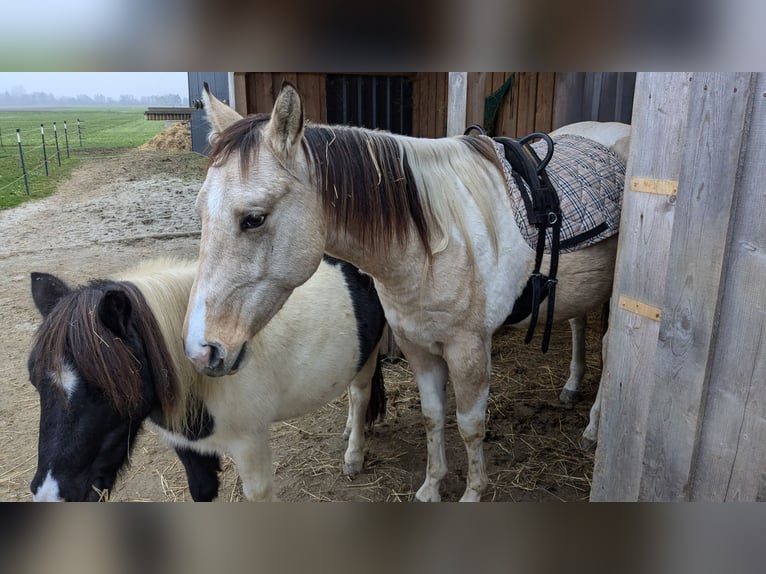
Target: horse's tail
point(376, 409)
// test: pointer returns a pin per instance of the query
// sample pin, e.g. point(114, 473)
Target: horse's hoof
point(425, 494)
point(352, 468)
point(569, 397)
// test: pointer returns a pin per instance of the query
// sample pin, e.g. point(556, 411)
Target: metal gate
point(376, 102)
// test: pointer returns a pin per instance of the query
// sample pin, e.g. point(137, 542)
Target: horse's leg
point(359, 398)
point(590, 434)
point(431, 377)
point(253, 458)
point(571, 391)
point(350, 417)
point(469, 367)
point(201, 473)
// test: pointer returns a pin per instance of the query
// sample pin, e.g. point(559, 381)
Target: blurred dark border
point(346, 35)
point(370, 538)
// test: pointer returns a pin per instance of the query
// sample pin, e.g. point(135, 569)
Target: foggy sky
point(110, 84)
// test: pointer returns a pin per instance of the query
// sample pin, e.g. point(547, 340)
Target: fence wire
point(38, 156)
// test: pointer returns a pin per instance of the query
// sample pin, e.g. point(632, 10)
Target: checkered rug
point(589, 179)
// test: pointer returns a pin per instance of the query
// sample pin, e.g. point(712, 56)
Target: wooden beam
point(238, 92)
point(456, 103)
point(475, 98)
point(731, 459)
point(659, 122)
point(717, 116)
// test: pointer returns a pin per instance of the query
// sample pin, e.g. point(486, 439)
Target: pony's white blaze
point(48, 491)
point(69, 380)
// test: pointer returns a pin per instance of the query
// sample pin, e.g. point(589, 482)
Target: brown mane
point(74, 335)
point(363, 178)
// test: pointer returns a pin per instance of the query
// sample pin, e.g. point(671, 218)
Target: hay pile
point(175, 138)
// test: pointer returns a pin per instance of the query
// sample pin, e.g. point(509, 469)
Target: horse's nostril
point(216, 357)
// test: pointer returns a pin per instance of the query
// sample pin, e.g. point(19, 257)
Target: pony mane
point(378, 187)
point(74, 325)
point(165, 284)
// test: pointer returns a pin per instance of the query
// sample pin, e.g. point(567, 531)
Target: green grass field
point(100, 128)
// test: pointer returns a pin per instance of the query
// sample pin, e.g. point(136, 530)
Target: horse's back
point(614, 135)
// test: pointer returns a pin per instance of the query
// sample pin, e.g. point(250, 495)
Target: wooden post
point(709, 161)
point(660, 438)
point(456, 103)
point(642, 261)
point(731, 459)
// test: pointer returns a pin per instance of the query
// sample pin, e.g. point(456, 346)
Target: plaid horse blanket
point(589, 179)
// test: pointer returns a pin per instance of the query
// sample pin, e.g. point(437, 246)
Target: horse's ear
point(285, 127)
point(115, 310)
point(47, 290)
point(219, 114)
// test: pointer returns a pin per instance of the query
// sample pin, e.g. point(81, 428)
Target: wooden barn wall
point(261, 89)
point(429, 104)
point(528, 107)
point(682, 415)
point(599, 96)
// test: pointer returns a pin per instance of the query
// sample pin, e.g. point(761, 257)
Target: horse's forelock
point(242, 137)
point(74, 336)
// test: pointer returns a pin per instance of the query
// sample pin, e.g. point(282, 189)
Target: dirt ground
point(122, 207)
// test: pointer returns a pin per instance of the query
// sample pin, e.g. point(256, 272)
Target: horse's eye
point(253, 220)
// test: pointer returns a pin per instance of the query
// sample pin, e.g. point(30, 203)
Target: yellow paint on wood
point(639, 308)
point(657, 186)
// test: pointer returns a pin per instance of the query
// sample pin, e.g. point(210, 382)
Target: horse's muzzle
point(210, 358)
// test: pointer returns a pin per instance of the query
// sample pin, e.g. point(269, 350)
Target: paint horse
point(429, 219)
point(109, 355)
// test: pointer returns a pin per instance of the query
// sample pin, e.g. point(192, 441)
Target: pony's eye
point(253, 220)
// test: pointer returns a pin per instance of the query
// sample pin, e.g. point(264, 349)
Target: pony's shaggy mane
point(377, 186)
point(75, 324)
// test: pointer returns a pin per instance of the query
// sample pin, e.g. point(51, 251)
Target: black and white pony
point(110, 355)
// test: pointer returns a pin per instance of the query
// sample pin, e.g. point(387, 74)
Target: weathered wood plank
point(440, 107)
point(456, 102)
point(731, 459)
point(240, 93)
point(718, 108)
point(311, 87)
point(527, 103)
point(659, 119)
point(544, 104)
point(476, 95)
point(420, 105)
point(264, 92)
point(509, 113)
point(568, 98)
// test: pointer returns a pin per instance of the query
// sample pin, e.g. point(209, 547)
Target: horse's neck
point(393, 267)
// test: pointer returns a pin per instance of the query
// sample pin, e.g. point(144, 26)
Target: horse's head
point(263, 232)
point(87, 364)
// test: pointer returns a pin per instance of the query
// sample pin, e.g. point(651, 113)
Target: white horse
point(109, 355)
point(429, 219)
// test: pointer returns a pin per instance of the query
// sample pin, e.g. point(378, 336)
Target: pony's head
point(98, 378)
point(263, 233)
